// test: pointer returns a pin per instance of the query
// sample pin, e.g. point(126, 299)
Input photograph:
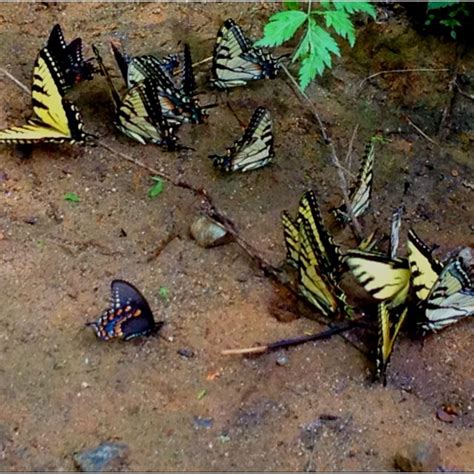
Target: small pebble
point(282, 359)
point(454, 173)
point(200, 422)
point(105, 457)
point(443, 415)
point(186, 353)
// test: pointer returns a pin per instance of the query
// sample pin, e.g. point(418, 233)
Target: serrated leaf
point(157, 188)
point(309, 68)
point(290, 5)
point(322, 42)
point(304, 47)
point(339, 20)
point(72, 197)
point(353, 7)
point(281, 27)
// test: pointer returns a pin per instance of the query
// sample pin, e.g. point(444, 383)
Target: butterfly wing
point(361, 192)
point(382, 277)
point(328, 254)
point(55, 119)
point(318, 287)
point(450, 299)
point(292, 240)
point(425, 269)
point(388, 332)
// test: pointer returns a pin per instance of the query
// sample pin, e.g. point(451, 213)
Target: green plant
point(157, 188)
point(317, 45)
point(72, 197)
point(452, 13)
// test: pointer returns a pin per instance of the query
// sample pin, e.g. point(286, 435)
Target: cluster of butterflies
point(432, 294)
point(161, 95)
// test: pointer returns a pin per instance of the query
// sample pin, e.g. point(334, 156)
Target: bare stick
point(15, 80)
point(292, 342)
point(349, 149)
point(400, 71)
point(203, 61)
point(421, 132)
point(355, 226)
point(464, 94)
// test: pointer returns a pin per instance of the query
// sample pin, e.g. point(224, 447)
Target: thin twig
point(400, 71)
point(349, 149)
point(446, 112)
point(15, 80)
point(421, 132)
point(294, 341)
point(203, 61)
point(355, 226)
point(464, 94)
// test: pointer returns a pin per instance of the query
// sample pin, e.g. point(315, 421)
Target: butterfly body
point(128, 317)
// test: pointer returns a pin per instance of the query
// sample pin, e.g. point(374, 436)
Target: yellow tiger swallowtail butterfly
point(55, 119)
point(360, 194)
point(253, 150)
point(320, 288)
point(236, 61)
point(138, 113)
point(327, 253)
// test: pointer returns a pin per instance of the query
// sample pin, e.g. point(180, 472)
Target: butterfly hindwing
point(384, 278)
point(425, 269)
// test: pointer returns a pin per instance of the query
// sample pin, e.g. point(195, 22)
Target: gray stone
point(106, 457)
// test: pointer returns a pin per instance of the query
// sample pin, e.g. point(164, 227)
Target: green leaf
point(321, 45)
point(304, 47)
point(157, 188)
point(341, 23)
point(309, 68)
point(281, 27)
point(164, 293)
point(201, 394)
point(436, 5)
point(291, 5)
point(354, 7)
point(72, 197)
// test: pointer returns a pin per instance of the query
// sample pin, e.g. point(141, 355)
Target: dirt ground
point(63, 391)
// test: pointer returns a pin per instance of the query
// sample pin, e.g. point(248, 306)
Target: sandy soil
point(62, 390)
